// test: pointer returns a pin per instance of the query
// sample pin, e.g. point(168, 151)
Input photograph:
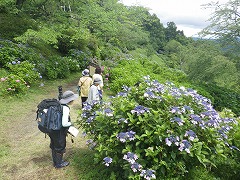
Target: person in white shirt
point(58, 137)
point(98, 74)
point(94, 94)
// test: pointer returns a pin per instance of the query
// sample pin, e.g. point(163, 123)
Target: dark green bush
point(13, 25)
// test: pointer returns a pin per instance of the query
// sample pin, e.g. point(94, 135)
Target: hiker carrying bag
point(49, 115)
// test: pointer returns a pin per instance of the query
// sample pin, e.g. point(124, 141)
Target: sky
point(188, 15)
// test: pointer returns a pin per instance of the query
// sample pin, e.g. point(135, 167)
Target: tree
point(225, 24)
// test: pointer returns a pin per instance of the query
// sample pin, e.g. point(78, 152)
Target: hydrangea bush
point(155, 130)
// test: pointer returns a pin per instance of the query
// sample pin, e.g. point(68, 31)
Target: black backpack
point(49, 115)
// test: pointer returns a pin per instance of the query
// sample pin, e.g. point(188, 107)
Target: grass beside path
point(24, 150)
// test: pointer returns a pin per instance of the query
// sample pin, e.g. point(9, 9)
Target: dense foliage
point(158, 130)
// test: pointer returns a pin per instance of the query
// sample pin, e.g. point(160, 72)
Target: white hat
point(67, 97)
point(85, 72)
point(97, 80)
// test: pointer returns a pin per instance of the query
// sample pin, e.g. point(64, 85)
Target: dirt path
point(27, 152)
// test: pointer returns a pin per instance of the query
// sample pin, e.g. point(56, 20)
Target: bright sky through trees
point(188, 15)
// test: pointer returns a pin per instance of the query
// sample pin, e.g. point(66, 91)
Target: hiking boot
point(63, 164)
point(59, 161)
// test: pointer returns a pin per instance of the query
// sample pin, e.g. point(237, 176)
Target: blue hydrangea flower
point(131, 135)
point(84, 115)
point(108, 112)
point(90, 119)
point(191, 135)
point(185, 145)
point(91, 144)
point(149, 94)
point(122, 120)
point(195, 119)
point(176, 110)
point(136, 167)
point(122, 94)
point(140, 110)
point(130, 157)
point(177, 120)
point(148, 174)
point(122, 136)
point(212, 123)
point(126, 88)
point(187, 109)
point(172, 139)
point(89, 141)
point(87, 107)
point(107, 161)
point(224, 130)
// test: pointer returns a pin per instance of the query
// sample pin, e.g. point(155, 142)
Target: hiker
point(58, 137)
point(94, 94)
point(84, 84)
point(98, 74)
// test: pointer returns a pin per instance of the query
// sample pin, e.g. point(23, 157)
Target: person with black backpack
point(58, 137)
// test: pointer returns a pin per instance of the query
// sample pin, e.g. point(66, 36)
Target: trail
point(27, 150)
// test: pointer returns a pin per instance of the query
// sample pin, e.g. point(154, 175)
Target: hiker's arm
point(65, 122)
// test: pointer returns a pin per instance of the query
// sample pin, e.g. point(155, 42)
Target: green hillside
point(50, 40)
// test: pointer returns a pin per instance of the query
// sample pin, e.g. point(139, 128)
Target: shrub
point(11, 52)
point(26, 71)
point(128, 72)
point(157, 130)
point(82, 58)
point(13, 85)
point(223, 98)
point(57, 67)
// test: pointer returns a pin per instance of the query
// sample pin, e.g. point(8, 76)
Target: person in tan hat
point(58, 137)
point(84, 84)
